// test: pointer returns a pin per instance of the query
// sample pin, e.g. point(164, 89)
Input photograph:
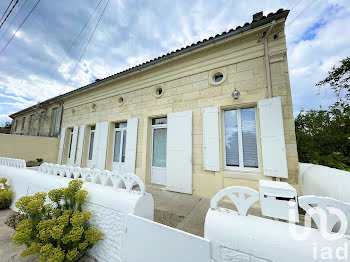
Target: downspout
point(59, 130)
point(267, 60)
point(267, 65)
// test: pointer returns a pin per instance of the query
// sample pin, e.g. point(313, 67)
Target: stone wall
point(187, 85)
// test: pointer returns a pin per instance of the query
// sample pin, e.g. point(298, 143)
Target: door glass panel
point(117, 140)
point(91, 146)
point(231, 138)
point(70, 143)
point(159, 147)
point(123, 146)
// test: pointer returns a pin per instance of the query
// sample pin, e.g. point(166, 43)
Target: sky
point(131, 32)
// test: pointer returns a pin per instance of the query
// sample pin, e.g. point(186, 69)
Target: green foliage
point(58, 231)
point(323, 137)
point(338, 79)
point(14, 218)
point(6, 194)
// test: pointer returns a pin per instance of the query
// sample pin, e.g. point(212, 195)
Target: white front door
point(91, 147)
point(118, 160)
point(158, 151)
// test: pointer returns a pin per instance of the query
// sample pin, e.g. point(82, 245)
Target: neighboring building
point(43, 119)
point(208, 116)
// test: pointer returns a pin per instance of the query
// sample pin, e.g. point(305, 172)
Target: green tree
point(323, 136)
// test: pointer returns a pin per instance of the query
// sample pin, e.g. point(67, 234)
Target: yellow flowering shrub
point(6, 194)
point(58, 231)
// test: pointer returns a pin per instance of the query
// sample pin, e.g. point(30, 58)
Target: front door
point(91, 147)
point(158, 151)
point(118, 160)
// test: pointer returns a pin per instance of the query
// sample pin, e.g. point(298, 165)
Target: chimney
point(257, 16)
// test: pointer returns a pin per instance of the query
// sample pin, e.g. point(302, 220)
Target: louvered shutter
point(272, 138)
point(211, 156)
point(131, 143)
point(60, 148)
point(179, 152)
point(80, 145)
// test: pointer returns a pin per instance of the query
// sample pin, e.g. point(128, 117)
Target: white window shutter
point(71, 160)
point(179, 152)
point(95, 145)
point(131, 143)
point(102, 145)
point(211, 154)
point(60, 148)
point(272, 138)
point(80, 145)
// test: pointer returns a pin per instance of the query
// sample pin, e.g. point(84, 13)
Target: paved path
point(184, 212)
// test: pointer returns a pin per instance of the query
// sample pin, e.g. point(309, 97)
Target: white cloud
point(132, 32)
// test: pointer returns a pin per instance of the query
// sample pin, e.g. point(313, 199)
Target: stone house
point(43, 119)
point(205, 117)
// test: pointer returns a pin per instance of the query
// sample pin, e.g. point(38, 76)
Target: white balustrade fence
point(12, 162)
point(111, 199)
point(125, 217)
point(95, 176)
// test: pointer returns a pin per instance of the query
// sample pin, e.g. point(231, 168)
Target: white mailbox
point(277, 199)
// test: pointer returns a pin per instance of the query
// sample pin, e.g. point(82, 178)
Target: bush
point(14, 218)
point(6, 194)
point(59, 231)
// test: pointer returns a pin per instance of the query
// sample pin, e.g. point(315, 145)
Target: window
point(158, 91)
point(70, 143)
point(120, 100)
point(159, 121)
point(41, 123)
point(15, 127)
point(240, 138)
point(91, 143)
point(218, 78)
point(53, 123)
point(31, 124)
point(23, 122)
point(119, 142)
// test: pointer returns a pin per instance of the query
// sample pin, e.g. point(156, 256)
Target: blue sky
point(132, 32)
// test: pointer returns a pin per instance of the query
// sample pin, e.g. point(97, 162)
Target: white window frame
point(123, 132)
point(91, 131)
point(241, 167)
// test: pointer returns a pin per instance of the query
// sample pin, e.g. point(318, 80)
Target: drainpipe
point(59, 130)
point(267, 66)
point(267, 60)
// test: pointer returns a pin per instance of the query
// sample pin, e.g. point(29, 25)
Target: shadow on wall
point(29, 148)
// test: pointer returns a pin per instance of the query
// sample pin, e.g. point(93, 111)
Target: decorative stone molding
point(121, 100)
point(102, 177)
point(12, 162)
point(242, 197)
point(215, 72)
point(93, 107)
point(158, 91)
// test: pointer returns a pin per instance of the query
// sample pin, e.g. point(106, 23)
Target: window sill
point(242, 174)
